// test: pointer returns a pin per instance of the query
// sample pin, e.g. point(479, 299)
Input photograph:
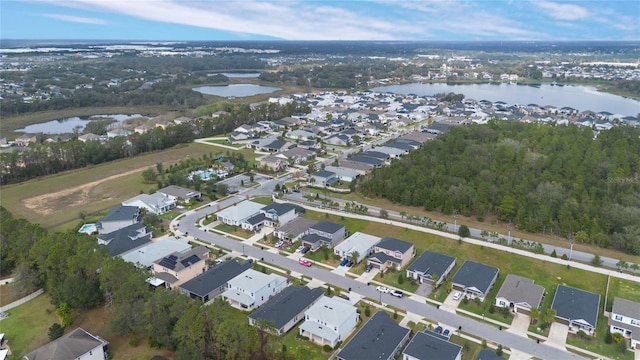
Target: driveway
point(449, 304)
point(520, 324)
point(425, 289)
point(340, 270)
point(558, 335)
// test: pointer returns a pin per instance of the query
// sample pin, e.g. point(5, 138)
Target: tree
point(634, 267)
point(63, 311)
point(222, 189)
point(355, 256)
point(621, 265)
point(400, 278)
point(464, 231)
point(548, 316)
point(434, 281)
point(384, 214)
point(149, 176)
point(484, 234)
point(26, 280)
point(55, 331)
point(596, 260)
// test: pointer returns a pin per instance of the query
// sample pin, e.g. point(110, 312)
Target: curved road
point(187, 225)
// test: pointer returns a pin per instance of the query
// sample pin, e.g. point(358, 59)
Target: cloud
point(563, 11)
point(77, 19)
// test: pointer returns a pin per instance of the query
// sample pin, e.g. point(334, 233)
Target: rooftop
point(431, 263)
point(215, 277)
point(377, 339)
point(473, 274)
point(287, 304)
point(575, 304)
point(518, 289)
point(331, 310)
point(424, 346)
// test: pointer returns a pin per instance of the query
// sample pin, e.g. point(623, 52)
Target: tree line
point(542, 178)
point(45, 159)
point(78, 276)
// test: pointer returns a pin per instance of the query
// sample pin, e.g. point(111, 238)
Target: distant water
point(66, 125)
point(578, 97)
point(241, 75)
point(236, 90)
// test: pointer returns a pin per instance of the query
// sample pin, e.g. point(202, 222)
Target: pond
point(67, 125)
point(236, 90)
point(578, 97)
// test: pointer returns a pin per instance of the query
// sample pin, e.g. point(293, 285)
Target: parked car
point(304, 262)
point(279, 243)
point(457, 295)
point(305, 250)
point(383, 289)
point(300, 248)
point(397, 293)
point(349, 263)
point(344, 261)
point(368, 268)
point(438, 329)
point(446, 333)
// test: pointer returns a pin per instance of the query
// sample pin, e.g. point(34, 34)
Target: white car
point(457, 295)
point(383, 289)
point(300, 248)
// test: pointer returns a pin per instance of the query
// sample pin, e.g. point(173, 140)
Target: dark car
point(305, 250)
point(368, 268)
point(439, 329)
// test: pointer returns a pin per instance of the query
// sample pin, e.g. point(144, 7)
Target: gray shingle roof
point(367, 160)
point(626, 308)
point(574, 304)
point(518, 289)
point(121, 239)
point(487, 354)
point(430, 263)
point(215, 277)
point(394, 244)
point(324, 174)
point(473, 274)
point(120, 213)
point(425, 346)
point(378, 339)
point(327, 226)
point(70, 346)
point(287, 304)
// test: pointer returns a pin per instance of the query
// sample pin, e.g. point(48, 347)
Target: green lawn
point(621, 288)
point(26, 327)
point(266, 200)
point(391, 278)
point(470, 349)
point(301, 349)
point(235, 230)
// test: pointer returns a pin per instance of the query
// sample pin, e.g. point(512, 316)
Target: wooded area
point(542, 178)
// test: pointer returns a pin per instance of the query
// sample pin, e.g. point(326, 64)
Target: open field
point(490, 224)
point(26, 327)
point(59, 199)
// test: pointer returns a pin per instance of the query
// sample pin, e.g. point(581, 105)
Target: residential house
point(519, 294)
point(427, 346)
point(90, 137)
point(155, 203)
point(294, 229)
point(220, 113)
point(180, 194)
point(179, 267)
point(489, 354)
point(309, 145)
point(145, 255)
point(391, 252)
point(251, 289)
point(117, 218)
point(123, 240)
point(475, 279)
point(183, 120)
point(625, 319)
point(299, 155)
point(26, 139)
point(278, 145)
point(76, 345)
point(376, 155)
point(391, 152)
point(324, 233)
point(361, 168)
point(142, 129)
point(329, 321)
point(343, 173)
point(380, 338)
point(430, 265)
point(576, 308)
point(117, 132)
point(301, 134)
point(323, 178)
point(254, 223)
point(358, 242)
point(236, 214)
point(281, 213)
point(373, 162)
point(163, 124)
point(213, 282)
point(338, 139)
point(273, 162)
point(287, 308)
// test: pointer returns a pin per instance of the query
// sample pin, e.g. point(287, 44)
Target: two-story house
point(180, 267)
point(278, 214)
point(625, 319)
point(251, 289)
point(287, 308)
point(359, 243)
point(392, 252)
point(324, 233)
point(329, 320)
point(117, 218)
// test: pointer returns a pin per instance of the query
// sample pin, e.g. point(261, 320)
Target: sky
point(418, 20)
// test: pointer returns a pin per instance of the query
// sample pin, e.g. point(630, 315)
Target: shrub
point(55, 331)
point(564, 257)
point(367, 311)
point(484, 343)
point(499, 351)
point(554, 254)
point(400, 279)
point(608, 338)
point(464, 231)
point(327, 348)
point(492, 309)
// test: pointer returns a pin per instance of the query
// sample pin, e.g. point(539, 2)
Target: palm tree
point(434, 281)
point(621, 265)
point(534, 314)
point(548, 316)
point(634, 267)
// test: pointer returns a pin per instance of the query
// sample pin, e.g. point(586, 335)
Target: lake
point(578, 97)
point(241, 75)
point(66, 125)
point(236, 90)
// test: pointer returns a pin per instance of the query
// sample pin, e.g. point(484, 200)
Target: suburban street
point(187, 225)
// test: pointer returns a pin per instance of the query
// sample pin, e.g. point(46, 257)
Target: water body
point(66, 125)
point(578, 97)
point(236, 90)
point(241, 75)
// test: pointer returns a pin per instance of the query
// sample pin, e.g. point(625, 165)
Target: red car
point(304, 262)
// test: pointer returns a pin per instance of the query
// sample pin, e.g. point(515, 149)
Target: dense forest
point(542, 178)
point(78, 277)
point(46, 159)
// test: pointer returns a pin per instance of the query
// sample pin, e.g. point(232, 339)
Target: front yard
point(234, 230)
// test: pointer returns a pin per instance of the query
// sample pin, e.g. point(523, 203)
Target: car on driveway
point(304, 262)
point(438, 329)
point(397, 293)
point(368, 268)
point(344, 261)
point(457, 295)
point(446, 333)
point(305, 250)
point(383, 289)
point(300, 248)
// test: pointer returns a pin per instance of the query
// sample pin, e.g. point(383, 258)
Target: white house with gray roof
point(343, 173)
point(235, 214)
point(576, 308)
point(117, 218)
point(179, 193)
point(392, 252)
point(155, 203)
point(475, 279)
point(329, 320)
point(358, 242)
point(252, 288)
point(625, 319)
point(78, 344)
point(519, 294)
point(287, 308)
point(145, 255)
point(428, 265)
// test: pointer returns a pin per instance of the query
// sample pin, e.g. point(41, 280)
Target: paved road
point(187, 224)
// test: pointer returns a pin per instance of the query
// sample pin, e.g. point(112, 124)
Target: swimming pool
point(88, 229)
point(204, 174)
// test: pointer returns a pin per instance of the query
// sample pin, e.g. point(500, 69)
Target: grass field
point(26, 327)
point(56, 201)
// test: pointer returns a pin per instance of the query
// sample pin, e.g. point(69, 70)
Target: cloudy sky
point(435, 20)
